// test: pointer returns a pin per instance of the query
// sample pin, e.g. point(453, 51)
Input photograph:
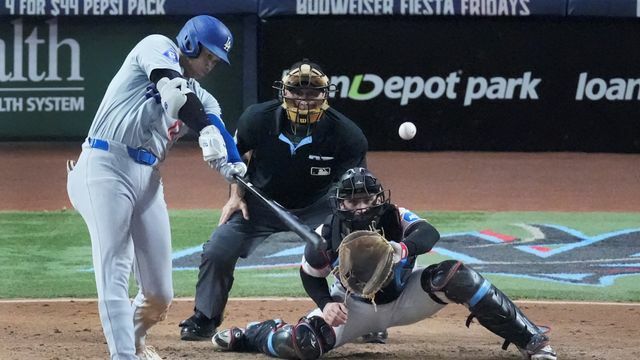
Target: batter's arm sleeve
point(317, 288)
point(158, 74)
point(233, 156)
point(420, 237)
point(192, 112)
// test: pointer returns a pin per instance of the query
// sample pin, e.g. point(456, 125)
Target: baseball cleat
point(228, 339)
point(538, 348)
point(376, 337)
point(192, 331)
point(546, 353)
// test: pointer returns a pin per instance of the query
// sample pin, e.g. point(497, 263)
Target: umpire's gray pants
point(238, 238)
point(413, 305)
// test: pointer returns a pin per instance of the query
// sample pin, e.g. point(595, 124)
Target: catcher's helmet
point(360, 198)
point(304, 90)
point(207, 31)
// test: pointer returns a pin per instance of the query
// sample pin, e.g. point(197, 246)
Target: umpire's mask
point(304, 91)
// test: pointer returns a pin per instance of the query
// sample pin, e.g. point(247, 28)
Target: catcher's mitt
point(365, 263)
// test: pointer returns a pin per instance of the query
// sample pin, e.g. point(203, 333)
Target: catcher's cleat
point(538, 348)
point(546, 353)
point(229, 340)
point(194, 330)
point(376, 337)
point(149, 353)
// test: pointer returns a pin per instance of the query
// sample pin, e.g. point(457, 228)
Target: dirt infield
point(33, 178)
point(71, 330)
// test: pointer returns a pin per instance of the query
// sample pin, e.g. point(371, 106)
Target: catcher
point(377, 286)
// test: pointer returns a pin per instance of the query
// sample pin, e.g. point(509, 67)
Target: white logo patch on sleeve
point(171, 55)
point(410, 217)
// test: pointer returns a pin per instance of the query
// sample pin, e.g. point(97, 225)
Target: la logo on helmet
point(227, 45)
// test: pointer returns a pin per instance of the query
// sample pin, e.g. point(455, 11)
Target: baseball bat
point(290, 220)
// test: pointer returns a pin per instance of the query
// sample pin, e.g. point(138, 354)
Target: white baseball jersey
point(122, 201)
point(125, 115)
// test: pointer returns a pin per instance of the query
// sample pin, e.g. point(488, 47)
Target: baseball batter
point(408, 296)
point(116, 184)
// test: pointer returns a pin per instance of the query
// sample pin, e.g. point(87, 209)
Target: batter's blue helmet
point(207, 31)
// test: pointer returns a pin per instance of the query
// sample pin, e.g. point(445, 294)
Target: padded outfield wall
point(526, 75)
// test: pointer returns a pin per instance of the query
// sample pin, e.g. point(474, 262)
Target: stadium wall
point(500, 75)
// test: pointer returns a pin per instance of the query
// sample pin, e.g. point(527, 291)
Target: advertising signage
point(485, 84)
point(54, 71)
point(268, 8)
point(125, 7)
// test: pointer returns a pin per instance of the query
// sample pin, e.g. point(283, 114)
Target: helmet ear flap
point(188, 43)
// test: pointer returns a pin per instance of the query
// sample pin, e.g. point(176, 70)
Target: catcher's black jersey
point(296, 175)
point(397, 224)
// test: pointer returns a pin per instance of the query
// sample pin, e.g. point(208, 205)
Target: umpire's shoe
point(197, 328)
point(376, 337)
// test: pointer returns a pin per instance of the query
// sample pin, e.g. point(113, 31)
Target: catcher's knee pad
point(496, 312)
point(458, 283)
point(306, 340)
point(493, 309)
point(321, 330)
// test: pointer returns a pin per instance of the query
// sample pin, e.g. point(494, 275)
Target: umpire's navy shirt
point(297, 176)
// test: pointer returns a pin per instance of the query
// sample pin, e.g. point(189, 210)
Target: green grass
point(47, 254)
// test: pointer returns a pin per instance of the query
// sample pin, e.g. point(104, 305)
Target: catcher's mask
point(360, 198)
point(304, 90)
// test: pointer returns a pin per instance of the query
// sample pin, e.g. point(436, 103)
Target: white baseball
point(407, 130)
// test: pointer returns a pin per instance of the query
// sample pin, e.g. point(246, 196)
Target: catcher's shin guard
point(306, 340)
point(493, 309)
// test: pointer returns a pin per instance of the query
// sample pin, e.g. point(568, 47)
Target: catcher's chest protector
point(389, 224)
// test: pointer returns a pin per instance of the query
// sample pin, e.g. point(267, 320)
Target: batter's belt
point(139, 155)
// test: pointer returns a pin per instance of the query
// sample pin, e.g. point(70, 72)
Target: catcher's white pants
point(411, 306)
point(122, 203)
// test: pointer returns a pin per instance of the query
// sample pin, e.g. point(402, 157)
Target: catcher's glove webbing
point(365, 263)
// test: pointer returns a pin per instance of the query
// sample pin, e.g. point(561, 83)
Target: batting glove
point(229, 170)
